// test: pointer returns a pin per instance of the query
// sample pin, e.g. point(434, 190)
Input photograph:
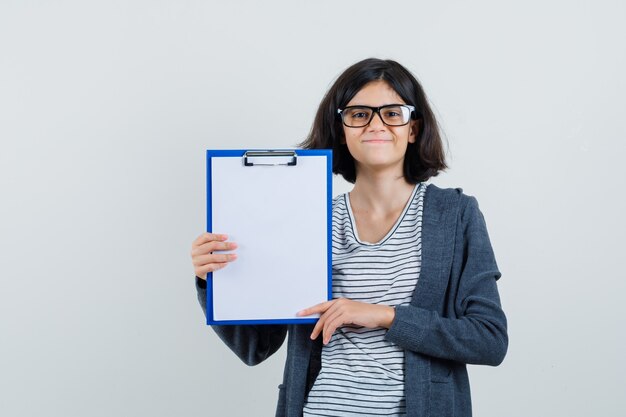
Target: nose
point(376, 122)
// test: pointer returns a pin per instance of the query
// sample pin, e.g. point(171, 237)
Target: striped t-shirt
point(362, 374)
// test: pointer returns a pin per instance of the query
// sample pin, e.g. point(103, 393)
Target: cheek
point(349, 146)
point(348, 136)
point(407, 134)
point(353, 148)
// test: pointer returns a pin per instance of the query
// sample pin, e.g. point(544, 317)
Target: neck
point(380, 192)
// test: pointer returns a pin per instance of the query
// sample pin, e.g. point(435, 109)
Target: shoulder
point(339, 208)
point(339, 202)
point(452, 206)
point(450, 198)
point(338, 198)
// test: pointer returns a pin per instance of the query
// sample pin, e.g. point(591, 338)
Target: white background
point(106, 109)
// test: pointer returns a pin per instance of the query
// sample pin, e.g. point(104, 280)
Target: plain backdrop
point(107, 108)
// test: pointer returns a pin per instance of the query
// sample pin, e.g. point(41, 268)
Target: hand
point(203, 258)
point(336, 313)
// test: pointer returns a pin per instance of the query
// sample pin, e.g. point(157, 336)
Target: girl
point(414, 276)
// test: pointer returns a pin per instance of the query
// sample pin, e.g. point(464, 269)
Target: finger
point(200, 260)
point(213, 246)
point(318, 327)
point(208, 237)
point(325, 310)
point(337, 316)
point(329, 328)
point(336, 305)
point(203, 270)
point(318, 308)
point(331, 324)
point(332, 308)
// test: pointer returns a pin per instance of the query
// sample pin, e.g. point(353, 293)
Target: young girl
point(414, 276)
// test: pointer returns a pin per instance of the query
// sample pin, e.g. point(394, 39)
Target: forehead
point(376, 93)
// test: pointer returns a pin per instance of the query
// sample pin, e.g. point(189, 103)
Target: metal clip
point(270, 158)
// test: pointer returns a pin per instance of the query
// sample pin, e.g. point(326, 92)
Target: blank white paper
point(277, 215)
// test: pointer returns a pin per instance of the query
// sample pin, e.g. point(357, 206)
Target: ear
point(414, 130)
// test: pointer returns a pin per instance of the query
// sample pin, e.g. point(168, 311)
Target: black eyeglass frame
point(376, 110)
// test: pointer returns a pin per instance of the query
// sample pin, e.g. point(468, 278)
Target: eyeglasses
point(391, 115)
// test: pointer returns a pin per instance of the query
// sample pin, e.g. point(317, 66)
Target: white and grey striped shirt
point(362, 374)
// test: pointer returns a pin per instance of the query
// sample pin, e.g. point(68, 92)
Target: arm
point(474, 328)
point(478, 333)
point(252, 344)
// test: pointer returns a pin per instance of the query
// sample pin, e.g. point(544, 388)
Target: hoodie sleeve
point(252, 344)
point(477, 334)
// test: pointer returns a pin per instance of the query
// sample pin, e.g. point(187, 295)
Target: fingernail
point(233, 256)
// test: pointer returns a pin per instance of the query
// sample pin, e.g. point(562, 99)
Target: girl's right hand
point(203, 258)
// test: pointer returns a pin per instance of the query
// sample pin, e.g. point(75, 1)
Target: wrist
point(389, 314)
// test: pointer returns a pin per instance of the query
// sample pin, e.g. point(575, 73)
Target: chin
point(380, 165)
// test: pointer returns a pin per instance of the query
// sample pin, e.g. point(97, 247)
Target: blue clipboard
point(277, 206)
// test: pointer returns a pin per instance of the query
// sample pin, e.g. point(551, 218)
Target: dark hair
point(423, 159)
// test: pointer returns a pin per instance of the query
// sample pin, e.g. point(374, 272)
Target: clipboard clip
point(270, 158)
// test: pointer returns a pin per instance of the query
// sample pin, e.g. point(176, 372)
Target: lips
point(376, 140)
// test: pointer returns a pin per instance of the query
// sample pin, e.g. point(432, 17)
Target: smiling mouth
point(377, 141)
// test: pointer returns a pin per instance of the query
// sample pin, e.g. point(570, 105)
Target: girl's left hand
point(336, 313)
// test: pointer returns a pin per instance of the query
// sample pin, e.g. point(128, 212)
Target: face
point(378, 147)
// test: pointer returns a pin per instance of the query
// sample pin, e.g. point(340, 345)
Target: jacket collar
point(439, 221)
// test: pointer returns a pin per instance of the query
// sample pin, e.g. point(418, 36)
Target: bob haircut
point(423, 159)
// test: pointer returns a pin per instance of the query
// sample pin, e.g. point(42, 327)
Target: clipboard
point(277, 206)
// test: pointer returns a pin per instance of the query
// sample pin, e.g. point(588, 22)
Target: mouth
point(377, 141)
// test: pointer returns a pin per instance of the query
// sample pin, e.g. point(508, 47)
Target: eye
point(394, 114)
point(359, 113)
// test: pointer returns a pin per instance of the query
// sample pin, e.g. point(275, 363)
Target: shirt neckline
point(391, 231)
